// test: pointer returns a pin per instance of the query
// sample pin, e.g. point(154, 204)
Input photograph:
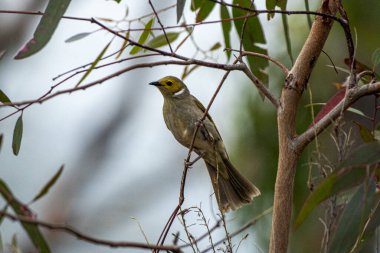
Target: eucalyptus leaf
point(4, 98)
point(48, 185)
point(78, 36)
point(160, 40)
point(226, 27)
point(45, 29)
point(204, 10)
point(17, 136)
point(180, 7)
point(252, 37)
point(353, 219)
point(21, 209)
point(143, 37)
point(94, 63)
point(350, 172)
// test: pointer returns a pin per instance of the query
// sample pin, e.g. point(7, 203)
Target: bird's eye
point(169, 83)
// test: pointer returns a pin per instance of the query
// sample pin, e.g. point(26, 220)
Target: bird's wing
point(214, 130)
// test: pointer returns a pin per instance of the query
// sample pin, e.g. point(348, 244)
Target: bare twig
point(72, 231)
point(261, 87)
point(241, 229)
point(162, 27)
point(283, 68)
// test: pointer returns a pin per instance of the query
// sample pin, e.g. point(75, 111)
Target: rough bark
point(289, 151)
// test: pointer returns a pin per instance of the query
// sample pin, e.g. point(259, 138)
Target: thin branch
point(72, 231)
point(352, 95)
point(122, 71)
point(241, 229)
point(261, 87)
point(162, 27)
point(283, 68)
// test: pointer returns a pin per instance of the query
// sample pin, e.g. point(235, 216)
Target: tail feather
point(233, 191)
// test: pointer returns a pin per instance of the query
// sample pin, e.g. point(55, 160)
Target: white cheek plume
point(180, 92)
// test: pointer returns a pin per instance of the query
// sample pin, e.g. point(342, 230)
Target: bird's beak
point(155, 83)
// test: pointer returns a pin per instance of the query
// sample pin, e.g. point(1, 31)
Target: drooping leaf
point(20, 209)
point(226, 27)
point(271, 5)
point(307, 8)
point(94, 63)
point(45, 29)
point(376, 57)
point(1, 141)
point(160, 40)
point(352, 221)
point(365, 133)
point(216, 46)
point(253, 35)
point(196, 4)
point(4, 98)
point(349, 173)
point(123, 46)
point(180, 7)
point(287, 37)
point(204, 10)
point(143, 37)
point(333, 101)
point(49, 184)
point(78, 36)
point(17, 136)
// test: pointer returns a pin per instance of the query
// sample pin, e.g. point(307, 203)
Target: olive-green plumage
point(181, 112)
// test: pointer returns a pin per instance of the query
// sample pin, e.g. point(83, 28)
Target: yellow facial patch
point(171, 83)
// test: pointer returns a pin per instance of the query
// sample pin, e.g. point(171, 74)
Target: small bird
point(182, 113)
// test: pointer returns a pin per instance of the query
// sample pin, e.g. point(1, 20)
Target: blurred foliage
point(256, 147)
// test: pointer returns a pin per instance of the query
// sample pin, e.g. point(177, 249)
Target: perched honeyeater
point(181, 112)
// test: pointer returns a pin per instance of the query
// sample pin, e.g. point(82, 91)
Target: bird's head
point(171, 86)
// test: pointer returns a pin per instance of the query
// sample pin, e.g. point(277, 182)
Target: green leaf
point(49, 184)
point(1, 141)
point(196, 4)
point(216, 46)
point(271, 5)
point(20, 209)
point(160, 40)
point(349, 173)
point(143, 37)
point(376, 57)
point(226, 27)
point(94, 63)
point(4, 98)
point(117, 1)
point(204, 10)
point(123, 46)
point(287, 37)
point(353, 219)
point(365, 133)
point(76, 37)
point(45, 29)
point(17, 136)
point(253, 34)
point(180, 7)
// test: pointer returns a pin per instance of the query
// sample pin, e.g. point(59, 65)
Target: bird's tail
point(232, 191)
